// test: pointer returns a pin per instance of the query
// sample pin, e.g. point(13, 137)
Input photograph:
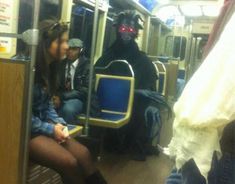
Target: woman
point(50, 146)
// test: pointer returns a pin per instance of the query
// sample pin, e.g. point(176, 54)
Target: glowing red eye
point(131, 30)
point(122, 29)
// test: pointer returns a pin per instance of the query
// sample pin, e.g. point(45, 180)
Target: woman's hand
point(59, 134)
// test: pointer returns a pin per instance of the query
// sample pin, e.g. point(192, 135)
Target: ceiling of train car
point(176, 12)
point(189, 9)
point(120, 5)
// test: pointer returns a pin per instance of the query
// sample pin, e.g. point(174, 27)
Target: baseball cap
point(75, 42)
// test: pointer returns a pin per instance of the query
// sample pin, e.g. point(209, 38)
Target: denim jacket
point(44, 116)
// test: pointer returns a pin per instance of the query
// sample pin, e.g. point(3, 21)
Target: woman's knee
point(84, 152)
point(79, 151)
point(67, 163)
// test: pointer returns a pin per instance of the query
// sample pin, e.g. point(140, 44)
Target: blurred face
point(63, 47)
point(73, 53)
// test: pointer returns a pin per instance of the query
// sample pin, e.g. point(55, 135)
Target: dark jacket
point(144, 71)
point(80, 82)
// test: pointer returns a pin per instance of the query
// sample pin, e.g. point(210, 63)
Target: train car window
point(175, 47)
point(110, 34)
point(82, 26)
point(24, 23)
point(50, 9)
point(169, 46)
point(149, 5)
point(201, 47)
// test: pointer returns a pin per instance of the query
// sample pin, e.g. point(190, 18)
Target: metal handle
point(29, 36)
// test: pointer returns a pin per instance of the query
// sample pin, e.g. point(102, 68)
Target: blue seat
point(115, 94)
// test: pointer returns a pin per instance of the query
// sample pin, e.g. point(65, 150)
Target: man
point(74, 76)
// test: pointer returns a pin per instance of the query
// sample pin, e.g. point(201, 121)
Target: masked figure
point(125, 48)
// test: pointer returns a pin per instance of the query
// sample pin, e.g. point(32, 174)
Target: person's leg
point(226, 169)
point(83, 156)
point(70, 109)
point(191, 174)
point(139, 136)
point(47, 152)
point(175, 177)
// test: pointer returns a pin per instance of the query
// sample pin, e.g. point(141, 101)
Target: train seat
point(38, 174)
point(162, 77)
point(115, 94)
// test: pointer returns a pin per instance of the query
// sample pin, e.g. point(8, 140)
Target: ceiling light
point(166, 12)
point(211, 11)
point(191, 10)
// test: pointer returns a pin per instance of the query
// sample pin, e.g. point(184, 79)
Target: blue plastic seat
point(115, 94)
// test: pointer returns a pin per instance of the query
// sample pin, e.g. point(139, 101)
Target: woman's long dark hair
point(46, 66)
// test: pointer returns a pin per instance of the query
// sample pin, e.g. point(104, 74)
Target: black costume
point(125, 48)
point(144, 71)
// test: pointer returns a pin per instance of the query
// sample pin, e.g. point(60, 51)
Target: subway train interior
point(171, 35)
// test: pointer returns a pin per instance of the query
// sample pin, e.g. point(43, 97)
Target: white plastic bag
point(206, 105)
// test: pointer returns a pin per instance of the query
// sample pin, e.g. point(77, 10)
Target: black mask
point(126, 31)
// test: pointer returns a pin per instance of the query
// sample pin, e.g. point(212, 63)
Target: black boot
point(95, 178)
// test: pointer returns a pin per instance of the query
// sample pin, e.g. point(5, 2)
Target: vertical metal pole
point(94, 36)
point(147, 30)
point(159, 50)
point(30, 90)
point(188, 52)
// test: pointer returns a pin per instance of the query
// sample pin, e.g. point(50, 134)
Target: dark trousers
point(222, 172)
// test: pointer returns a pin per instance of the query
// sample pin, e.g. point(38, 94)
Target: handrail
point(117, 61)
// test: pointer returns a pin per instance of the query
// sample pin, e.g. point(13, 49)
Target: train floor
point(121, 169)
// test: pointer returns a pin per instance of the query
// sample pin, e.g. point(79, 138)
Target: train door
point(199, 35)
point(198, 43)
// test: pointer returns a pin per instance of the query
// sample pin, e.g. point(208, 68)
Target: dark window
point(175, 47)
point(201, 47)
point(82, 26)
point(50, 9)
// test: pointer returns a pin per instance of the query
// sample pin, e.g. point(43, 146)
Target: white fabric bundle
point(206, 105)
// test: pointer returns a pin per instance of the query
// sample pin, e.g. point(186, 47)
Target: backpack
point(153, 124)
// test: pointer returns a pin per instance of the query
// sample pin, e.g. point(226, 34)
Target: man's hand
point(56, 101)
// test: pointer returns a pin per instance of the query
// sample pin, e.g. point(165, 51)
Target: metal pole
point(94, 36)
point(31, 74)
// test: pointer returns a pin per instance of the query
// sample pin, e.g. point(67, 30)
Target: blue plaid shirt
point(44, 116)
